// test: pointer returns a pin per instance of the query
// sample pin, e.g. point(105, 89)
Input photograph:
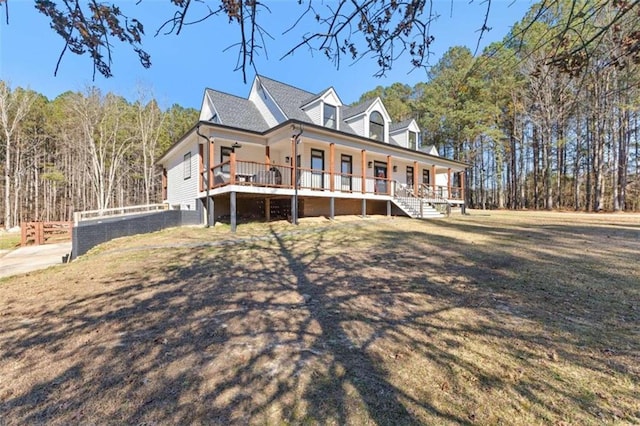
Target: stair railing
point(439, 202)
point(405, 195)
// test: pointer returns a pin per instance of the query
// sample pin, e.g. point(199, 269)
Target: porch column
point(449, 182)
point(433, 178)
point(364, 207)
point(332, 167)
point(232, 208)
point(232, 168)
point(211, 163)
point(388, 208)
point(416, 183)
point(294, 181)
point(332, 208)
point(389, 174)
point(267, 157)
point(363, 156)
point(267, 209)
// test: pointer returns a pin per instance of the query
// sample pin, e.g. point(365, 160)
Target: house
point(253, 157)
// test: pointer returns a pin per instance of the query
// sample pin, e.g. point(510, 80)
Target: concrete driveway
point(31, 258)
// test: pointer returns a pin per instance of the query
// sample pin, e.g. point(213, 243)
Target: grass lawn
point(9, 241)
point(493, 318)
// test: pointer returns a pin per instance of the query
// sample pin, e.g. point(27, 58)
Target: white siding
point(206, 112)
point(441, 179)
point(400, 138)
point(314, 111)
point(358, 126)
point(181, 191)
point(331, 98)
point(257, 97)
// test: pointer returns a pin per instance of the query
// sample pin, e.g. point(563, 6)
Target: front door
point(409, 177)
point(380, 172)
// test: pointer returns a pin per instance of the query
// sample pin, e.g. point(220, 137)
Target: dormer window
point(413, 137)
point(376, 126)
point(330, 116)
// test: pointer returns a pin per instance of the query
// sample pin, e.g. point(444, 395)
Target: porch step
point(411, 206)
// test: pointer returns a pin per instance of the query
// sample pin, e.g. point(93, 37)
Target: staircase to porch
point(424, 204)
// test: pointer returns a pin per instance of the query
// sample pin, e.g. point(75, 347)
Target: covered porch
point(374, 177)
point(236, 177)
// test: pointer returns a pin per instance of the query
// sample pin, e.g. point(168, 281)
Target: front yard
point(492, 318)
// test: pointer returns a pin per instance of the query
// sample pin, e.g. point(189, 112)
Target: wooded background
point(541, 123)
point(82, 151)
point(547, 118)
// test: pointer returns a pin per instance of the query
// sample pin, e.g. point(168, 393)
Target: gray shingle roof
point(400, 125)
point(288, 98)
point(352, 111)
point(237, 112)
point(317, 96)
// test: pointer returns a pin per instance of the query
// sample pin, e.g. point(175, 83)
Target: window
point(225, 155)
point(330, 116)
point(376, 126)
point(317, 166)
point(186, 165)
point(410, 176)
point(425, 176)
point(346, 168)
point(412, 140)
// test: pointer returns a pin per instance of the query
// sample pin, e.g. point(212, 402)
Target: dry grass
point(498, 318)
point(9, 241)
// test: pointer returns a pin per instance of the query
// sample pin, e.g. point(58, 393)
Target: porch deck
point(261, 178)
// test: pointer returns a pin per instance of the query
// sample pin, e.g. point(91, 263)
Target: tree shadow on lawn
point(314, 328)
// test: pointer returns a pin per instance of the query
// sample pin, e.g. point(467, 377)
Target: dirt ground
point(492, 318)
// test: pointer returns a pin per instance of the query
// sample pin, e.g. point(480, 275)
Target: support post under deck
point(233, 208)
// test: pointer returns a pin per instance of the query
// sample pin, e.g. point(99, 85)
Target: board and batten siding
point(180, 190)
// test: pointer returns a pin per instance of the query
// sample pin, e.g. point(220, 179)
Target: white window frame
point(325, 118)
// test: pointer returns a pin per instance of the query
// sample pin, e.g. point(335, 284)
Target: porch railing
point(251, 173)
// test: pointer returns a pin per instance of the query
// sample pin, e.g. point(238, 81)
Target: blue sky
point(183, 66)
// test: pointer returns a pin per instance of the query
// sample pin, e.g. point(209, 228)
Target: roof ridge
point(208, 89)
point(284, 84)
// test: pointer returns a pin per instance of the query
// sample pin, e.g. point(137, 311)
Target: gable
point(229, 110)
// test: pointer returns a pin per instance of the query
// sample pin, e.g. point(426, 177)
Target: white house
point(253, 157)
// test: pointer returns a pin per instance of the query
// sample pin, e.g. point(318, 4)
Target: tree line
point(81, 151)
point(547, 118)
point(542, 123)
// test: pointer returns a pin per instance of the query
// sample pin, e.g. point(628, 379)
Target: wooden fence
point(36, 233)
